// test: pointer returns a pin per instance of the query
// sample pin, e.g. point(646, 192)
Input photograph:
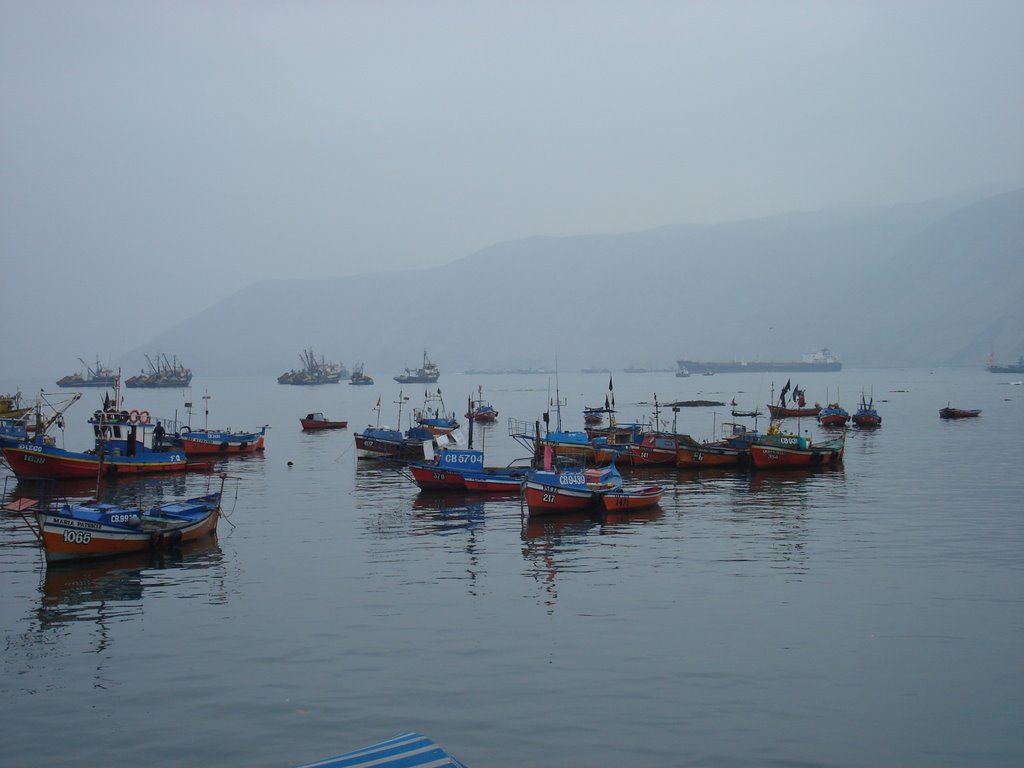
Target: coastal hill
point(914, 285)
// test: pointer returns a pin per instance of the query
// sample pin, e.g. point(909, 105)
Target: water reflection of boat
point(71, 592)
point(780, 486)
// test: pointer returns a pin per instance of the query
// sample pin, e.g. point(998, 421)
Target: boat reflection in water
point(550, 544)
point(97, 595)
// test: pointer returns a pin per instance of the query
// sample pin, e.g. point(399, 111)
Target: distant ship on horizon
point(821, 361)
point(1017, 367)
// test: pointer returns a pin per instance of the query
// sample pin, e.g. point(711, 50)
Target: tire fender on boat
point(184, 430)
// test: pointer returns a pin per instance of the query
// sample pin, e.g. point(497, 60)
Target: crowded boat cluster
point(564, 470)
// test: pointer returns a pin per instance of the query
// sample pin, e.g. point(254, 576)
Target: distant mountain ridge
point(912, 285)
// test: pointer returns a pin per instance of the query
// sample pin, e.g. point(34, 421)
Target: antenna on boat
point(206, 411)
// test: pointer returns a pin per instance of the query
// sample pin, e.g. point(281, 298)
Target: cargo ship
point(1017, 367)
point(821, 361)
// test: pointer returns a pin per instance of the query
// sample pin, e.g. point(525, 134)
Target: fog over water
point(156, 158)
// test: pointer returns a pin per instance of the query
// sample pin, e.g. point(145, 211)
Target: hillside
point(914, 285)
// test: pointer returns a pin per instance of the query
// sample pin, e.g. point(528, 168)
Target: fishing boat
point(463, 470)
point(12, 406)
point(95, 376)
point(592, 417)
point(162, 374)
point(377, 442)
point(957, 413)
point(572, 489)
point(314, 371)
point(433, 415)
point(428, 373)
point(683, 372)
point(315, 421)
point(358, 378)
point(706, 455)
point(624, 499)
point(124, 443)
point(833, 415)
point(209, 442)
point(866, 415)
point(407, 750)
point(93, 529)
point(797, 408)
point(777, 450)
point(480, 410)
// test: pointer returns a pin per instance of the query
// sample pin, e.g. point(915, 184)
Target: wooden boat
point(703, 455)
point(776, 450)
point(624, 499)
point(957, 413)
point(658, 448)
point(407, 750)
point(866, 415)
point(433, 416)
point(376, 442)
point(833, 415)
point(567, 490)
point(481, 411)
point(315, 421)
point(428, 373)
point(94, 529)
point(209, 442)
point(462, 470)
point(797, 408)
point(593, 416)
point(123, 445)
point(12, 407)
point(358, 378)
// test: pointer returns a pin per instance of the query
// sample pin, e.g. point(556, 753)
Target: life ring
point(144, 417)
point(133, 417)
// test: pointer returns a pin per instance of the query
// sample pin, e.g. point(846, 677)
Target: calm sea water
point(867, 616)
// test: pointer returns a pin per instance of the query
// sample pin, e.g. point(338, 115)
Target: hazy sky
point(191, 148)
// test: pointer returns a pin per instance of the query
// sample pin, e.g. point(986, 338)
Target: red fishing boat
point(210, 442)
point(568, 490)
point(315, 421)
point(481, 411)
point(796, 408)
point(866, 415)
point(776, 450)
point(625, 499)
point(711, 455)
point(957, 413)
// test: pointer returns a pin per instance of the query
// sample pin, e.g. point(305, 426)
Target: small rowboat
point(626, 499)
point(313, 421)
point(957, 413)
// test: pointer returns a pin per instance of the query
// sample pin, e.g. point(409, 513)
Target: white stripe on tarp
point(370, 754)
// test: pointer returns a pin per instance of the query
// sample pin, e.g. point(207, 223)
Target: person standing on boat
point(158, 436)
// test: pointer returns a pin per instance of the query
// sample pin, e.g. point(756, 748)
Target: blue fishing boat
point(572, 489)
point(463, 470)
point(407, 750)
point(377, 442)
point(433, 416)
point(866, 415)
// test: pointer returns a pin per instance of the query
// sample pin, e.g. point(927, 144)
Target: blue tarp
point(407, 750)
